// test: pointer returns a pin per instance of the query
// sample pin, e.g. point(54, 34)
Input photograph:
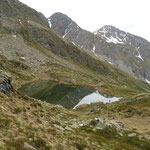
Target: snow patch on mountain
point(93, 50)
point(147, 81)
point(101, 32)
point(73, 43)
point(118, 38)
point(67, 30)
point(106, 34)
point(114, 40)
point(110, 63)
point(139, 55)
point(49, 22)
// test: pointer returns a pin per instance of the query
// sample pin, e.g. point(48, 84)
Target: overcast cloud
point(129, 15)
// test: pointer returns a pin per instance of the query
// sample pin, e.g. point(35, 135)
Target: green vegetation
point(118, 91)
point(25, 120)
point(113, 140)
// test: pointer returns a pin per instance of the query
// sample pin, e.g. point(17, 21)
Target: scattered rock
point(68, 128)
point(22, 58)
point(28, 146)
point(141, 137)
point(99, 123)
point(75, 125)
point(131, 134)
point(81, 125)
point(94, 122)
point(58, 127)
point(14, 36)
point(121, 134)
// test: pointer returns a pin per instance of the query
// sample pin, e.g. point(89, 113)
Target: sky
point(129, 15)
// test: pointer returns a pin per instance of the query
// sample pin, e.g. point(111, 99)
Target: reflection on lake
point(96, 97)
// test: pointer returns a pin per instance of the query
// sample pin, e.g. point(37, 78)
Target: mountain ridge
point(39, 43)
point(127, 51)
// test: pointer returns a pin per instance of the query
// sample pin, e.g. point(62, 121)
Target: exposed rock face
point(5, 85)
point(129, 52)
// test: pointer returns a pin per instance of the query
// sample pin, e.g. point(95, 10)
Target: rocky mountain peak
point(61, 17)
point(112, 34)
point(108, 28)
point(61, 24)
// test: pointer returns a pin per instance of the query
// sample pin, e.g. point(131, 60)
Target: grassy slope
point(132, 111)
point(44, 125)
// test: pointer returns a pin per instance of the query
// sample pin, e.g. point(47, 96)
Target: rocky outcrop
point(5, 85)
point(101, 123)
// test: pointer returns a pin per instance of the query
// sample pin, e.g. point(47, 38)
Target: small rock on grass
point(28, 146)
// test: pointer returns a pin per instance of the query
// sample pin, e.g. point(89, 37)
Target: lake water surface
point(69, 96)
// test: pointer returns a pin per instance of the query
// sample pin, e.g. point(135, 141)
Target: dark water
point(56, 93)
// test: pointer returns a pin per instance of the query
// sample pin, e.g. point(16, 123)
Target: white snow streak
point(110, 39)
point(73, 43)
point(147, 81)
point(113, 40)
point(49, 22)
point(93, 50)
point(67, 30)
point(139, 55)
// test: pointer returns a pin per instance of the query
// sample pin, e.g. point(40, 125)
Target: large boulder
point(5, 85)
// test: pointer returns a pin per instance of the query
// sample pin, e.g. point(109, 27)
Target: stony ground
point(133, 112)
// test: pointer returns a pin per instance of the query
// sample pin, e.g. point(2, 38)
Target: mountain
point(39, 69)
point(29, 49)
point(124, 50)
